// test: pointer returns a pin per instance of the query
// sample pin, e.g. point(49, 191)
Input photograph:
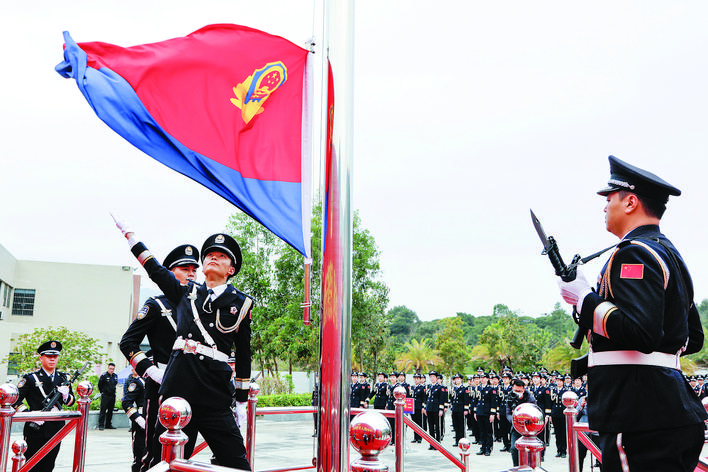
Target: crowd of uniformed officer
point(476, 406)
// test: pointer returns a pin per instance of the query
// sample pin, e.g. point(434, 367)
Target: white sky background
point(466, 114)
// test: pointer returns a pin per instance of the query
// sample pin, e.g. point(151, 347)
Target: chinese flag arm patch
point(632, 271)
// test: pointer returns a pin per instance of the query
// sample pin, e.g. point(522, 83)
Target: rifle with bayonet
point(51, 400)
point(565, 272)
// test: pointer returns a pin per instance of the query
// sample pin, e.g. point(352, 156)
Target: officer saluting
point(156, 320)
point(35, 387)
point(211, 319)
point(642, 318)
point(380, 392)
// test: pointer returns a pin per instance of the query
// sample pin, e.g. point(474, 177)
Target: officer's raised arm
point(164, 279)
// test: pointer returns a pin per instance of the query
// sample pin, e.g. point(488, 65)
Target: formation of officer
point(34, 388)
point(213, 319)
point(156, 321)
point(641, 318)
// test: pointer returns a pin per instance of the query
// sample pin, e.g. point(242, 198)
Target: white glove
point(140, 421)
point(155, 373)
point(241, 415)
point(574, 292)
point(122, 225)
point(54, 408)
point(64, 390)
point(38, 423)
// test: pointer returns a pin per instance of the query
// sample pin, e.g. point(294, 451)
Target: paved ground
point(287, 444)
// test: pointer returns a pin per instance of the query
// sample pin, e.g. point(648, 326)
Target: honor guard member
point(402, 383)
point(107, 384)
point(473, 392)
point(485, 411)
point(380, 392)
point(543, 401)
point(365, 390)
point(459, 406)
point(212, 319)
point(156, 320)
point(390, 399)
point(434, 406)
point(504, 425)
point(132, 402)
point(496, 425)
point(693, 382)
point(641, 319)
point(35, 387)
point(441, 377)
point(557, 415)
point(418, 393)
point(355, 392)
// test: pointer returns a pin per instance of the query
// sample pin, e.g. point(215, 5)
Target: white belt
point(189, 346)
point(658, 359)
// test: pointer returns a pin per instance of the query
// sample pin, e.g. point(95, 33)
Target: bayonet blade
point(539, 229)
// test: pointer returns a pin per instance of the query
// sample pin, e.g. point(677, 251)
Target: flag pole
point(335, 327)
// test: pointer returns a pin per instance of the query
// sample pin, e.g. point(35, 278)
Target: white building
point(98, 300)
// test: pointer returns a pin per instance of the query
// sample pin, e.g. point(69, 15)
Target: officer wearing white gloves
point(641, 320)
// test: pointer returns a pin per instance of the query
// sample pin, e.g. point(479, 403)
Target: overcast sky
point(467, 114)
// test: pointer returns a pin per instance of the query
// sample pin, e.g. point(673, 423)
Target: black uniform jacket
point(653, 292)
point(199, 379)
point(133, 397)
point(158, 325)
point(29, 390)
point(107, 384)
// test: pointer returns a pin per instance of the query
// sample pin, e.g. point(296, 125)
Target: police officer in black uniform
point(390, 399)
point(557, 415)
point(459, 406)
point(542, 393)
point(485, 411)
point(212, 320)
point(504, 425)
point(133, 401)
point(107, 384)
point(434, 406)
point(156, 320)
point(418, 393)
point(642, 318)
point(380, 392)
point(354, 391)
point(35, 387)
point(365, 390)
point(473, 391)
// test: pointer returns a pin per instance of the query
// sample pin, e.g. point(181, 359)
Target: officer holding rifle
point(640, 318)
point(39, 388)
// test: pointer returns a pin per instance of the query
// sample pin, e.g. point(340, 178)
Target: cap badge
point(54, 344)
point(219, 239)
point(188, 250)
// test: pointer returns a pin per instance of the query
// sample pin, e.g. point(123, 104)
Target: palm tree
point(419, 354)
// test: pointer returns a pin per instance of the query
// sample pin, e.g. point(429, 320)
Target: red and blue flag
point(227, 106)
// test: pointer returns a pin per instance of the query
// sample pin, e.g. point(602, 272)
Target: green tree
point(451, 346)
point(77, 348)
point(508, 342)
point(419, 355)
point(403, 323)
point(559, 324)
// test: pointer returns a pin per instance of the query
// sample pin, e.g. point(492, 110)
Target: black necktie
point(207, 302)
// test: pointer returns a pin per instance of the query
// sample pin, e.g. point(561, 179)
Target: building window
point(12, 364)
point(23, 302)
point(6, 294)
